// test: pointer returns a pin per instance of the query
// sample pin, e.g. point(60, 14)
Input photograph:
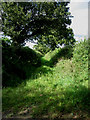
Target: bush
point(66, 53)
point(80, 60)
point(14, 63)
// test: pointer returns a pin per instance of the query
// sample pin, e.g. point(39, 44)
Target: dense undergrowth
point(58, 87)
point(18, 64)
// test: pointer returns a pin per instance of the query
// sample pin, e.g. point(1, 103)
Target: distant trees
point(46, 22)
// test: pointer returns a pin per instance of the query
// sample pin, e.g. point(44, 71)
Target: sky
point(79, 9)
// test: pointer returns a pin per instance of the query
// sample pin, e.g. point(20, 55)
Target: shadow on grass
point(71, 103)
point(17, 75)
point(66, 53)
point(29, 65)
point(43, 119)
point(20, 64)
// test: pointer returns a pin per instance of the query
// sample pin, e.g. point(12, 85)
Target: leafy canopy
point(37, 20)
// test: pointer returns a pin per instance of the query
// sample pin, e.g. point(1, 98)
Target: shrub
point(15, 60)
point(80, 60)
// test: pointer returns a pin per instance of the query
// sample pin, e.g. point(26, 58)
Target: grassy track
point(60, 91)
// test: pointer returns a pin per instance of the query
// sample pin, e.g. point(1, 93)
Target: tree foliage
point(37, 20)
